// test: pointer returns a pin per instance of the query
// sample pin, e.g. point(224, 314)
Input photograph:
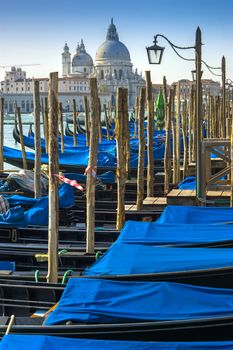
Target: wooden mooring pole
point(100, 125)
point(91, 170)
point(1, 132)
point(184, 133)
point(37, 163)
point(121, 111)
point(141, 150)
point(74, 123)
point(21, 137)
point(167, 152)
point(106, 122)
point(86, 120)
point(126, 137)
point(46, 124)
point(61, 127)
point(52, 276)
point(150, 132)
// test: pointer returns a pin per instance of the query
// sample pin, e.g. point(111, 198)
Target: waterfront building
point(112, 68)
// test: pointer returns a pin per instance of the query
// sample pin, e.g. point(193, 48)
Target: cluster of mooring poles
point(186, 118)
point(194, 117)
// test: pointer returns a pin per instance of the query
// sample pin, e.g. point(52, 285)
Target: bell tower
point(66, 61)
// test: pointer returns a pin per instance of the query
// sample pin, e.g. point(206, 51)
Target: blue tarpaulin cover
point(153, 233)
point(130, 259)
point(175, 214)
point(45, 342)
point(66, 198)
point(104, 301)
point(7, 265)
point(38, 214)
point(105, 159)
point(189, 183)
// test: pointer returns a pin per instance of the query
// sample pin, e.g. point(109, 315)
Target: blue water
point(8, 133)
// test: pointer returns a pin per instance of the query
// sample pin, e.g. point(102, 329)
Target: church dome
point(82, 58)
point(112, 48)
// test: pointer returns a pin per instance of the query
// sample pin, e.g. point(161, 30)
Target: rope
point(37, 276)
point(65, 275)
point(98, 255)
point(62, 252)
point(90, 170)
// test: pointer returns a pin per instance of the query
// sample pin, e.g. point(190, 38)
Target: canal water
point(8, 133)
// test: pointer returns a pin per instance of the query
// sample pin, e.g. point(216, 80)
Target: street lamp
point(194, 74)
point(155, 54)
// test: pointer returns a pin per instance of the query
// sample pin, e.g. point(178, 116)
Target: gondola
point(194, 330)
point(138, 262)
point(45, 342)
point(112, 315)
point(67, 235)
point(28, 260)
point(23, 298)
point(68, 162)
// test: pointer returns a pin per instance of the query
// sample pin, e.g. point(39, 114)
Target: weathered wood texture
point(167, 152)
point(185, 140)
point(86, 120)
point(99, 125)
point(37, 139)
point(174, 139)
point(106, 122)
point(46, 123)
point(52, 276)
point(141, 150)
point(126, 137)
point(61, 127)
point(21, 137)
point(136, 109)
point(92, 165)
point(150, 133)
point(122, 98)
point(75, 123)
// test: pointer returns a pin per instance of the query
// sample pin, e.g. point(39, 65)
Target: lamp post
point(155, 54)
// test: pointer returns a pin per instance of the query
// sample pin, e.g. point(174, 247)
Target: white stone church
point(112, 67)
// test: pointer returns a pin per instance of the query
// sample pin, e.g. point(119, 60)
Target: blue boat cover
point(7, 265)
point(153, 233)
point(38, 214)
point(66, 198)
point(122, 301)
point(75, 158)
point(131, 259)
point(189, 183)
point(69, 158)
point(175, 214)
point(45, 342)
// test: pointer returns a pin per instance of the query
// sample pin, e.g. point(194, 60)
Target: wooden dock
point(149, 204)
point(188, 197)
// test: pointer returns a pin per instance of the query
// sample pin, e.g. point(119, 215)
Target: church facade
point(112, 67)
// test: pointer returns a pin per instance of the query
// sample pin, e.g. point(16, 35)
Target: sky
point(34, 32)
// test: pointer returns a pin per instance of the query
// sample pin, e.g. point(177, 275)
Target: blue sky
point(35, 31)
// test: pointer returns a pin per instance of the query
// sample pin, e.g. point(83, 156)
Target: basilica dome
point(82, 58)
point(112, 48)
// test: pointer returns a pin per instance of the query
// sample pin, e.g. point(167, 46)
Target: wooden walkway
point(188, 197)
point(150, 204)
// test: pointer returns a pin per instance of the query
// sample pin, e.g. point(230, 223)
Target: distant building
point(112, 68)
point(209, 87)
